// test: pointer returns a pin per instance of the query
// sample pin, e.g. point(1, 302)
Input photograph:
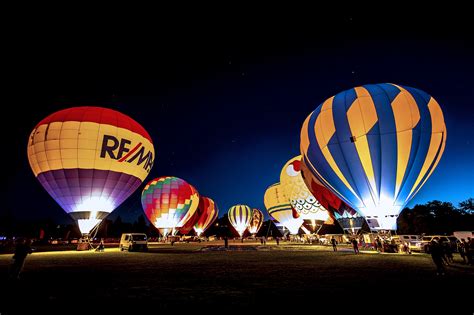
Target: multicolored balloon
point(375, 146)
point(209, 215)
point(256, 221)
point(169, 202)
point(280, 209)
point(90, 159)
point(239, 217)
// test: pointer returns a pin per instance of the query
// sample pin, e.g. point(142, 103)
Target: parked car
point(424, 244)
point(412, 240)
point(188, 239)
point(133, 242)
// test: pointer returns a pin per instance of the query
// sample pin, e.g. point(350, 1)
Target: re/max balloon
point(375, 146)
point(90, 159)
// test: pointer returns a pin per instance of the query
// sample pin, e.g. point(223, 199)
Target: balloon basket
point(83, 244)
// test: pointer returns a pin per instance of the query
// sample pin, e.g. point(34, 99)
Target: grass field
point(182, 276)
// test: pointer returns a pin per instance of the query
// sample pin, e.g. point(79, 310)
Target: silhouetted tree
point(436, 217)
point(467, 206)
point(140, 225)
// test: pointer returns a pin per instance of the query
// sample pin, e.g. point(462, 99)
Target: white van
point(134, 241)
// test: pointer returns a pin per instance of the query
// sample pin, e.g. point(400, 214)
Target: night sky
point(224, 103)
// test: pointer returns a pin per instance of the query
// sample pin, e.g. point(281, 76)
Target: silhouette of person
point(226, 242)
point(22, 249)
point(355, 245)
point(437, 256)
point(462, 250)
point(379, 245)
point(334, 244)
point(278, 240)
point(101, 247)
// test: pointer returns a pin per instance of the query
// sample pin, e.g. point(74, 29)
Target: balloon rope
point(94, 231)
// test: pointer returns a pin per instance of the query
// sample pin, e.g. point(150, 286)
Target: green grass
point(182, 276)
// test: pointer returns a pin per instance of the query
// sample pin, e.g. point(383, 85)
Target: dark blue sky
point(225, 108)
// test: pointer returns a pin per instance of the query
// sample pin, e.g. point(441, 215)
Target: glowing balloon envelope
point(300, 197)
point(169, 202)
point(256, 221)
point(239, 217)
point(349, 220)
point(279, 208)
point(375, 146)
point(90, 159)
point(209, 215)
point(188, 226)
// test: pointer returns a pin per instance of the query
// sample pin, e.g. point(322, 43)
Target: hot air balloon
point(256, 221)
point(188, 226)
point(279, 208)
point(90, 159)
point(209, 215)
point(349, 220)
point(169, 202)
point(375, 146)
point(239, 217)
point(301, 199)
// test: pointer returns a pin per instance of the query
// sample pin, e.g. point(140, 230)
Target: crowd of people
point(442, 253)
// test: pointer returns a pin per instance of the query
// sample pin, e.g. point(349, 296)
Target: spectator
point(437, 256)
point(22, 249)
point(101, 246)
point(355, 245)
point(462, 250)
point(334, 244)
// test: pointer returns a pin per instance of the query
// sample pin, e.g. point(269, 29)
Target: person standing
point(468, 249)
point(355, 245)
point(22, 249)
point(379, 245)
point(462, 251)
point(437, 254)
point(334, 244)
point(101, 246)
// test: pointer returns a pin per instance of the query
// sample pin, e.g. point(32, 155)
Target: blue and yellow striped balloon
point(375, 146)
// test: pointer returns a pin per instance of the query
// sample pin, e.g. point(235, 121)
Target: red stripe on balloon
point(130, 152)
point(98, 115)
